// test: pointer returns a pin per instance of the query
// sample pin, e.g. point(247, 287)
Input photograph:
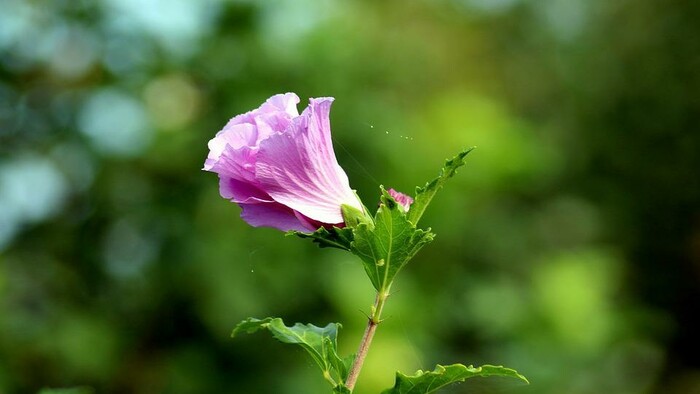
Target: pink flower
point(403, 199)
point(280, 167)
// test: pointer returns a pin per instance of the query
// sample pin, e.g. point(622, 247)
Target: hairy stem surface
point(372, 323)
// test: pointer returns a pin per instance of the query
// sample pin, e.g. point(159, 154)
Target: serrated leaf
point(431, 381)
point(251, 325)
point(389, 244)
point(319, 342)
point(426, 193)
point(334, 237)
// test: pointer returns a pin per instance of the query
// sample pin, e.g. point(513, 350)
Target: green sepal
point(334, 237)
point(319, 342)
point(341, 389)
point(387, 245)
point(353, 216)
point(424, 382)
point(426, 193)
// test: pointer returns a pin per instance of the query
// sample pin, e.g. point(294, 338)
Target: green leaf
point(340, 365)
point(251, 325)
point(426, 193)
point(320, 342)
point(428, 382)
point(335, 237)
point(71, 390)
point(388, 244)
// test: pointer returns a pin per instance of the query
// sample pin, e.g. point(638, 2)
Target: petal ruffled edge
point(285, 103)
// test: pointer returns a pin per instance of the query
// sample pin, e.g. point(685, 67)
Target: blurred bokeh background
point(568, 247)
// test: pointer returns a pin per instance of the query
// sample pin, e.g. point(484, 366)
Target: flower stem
point(372, 323)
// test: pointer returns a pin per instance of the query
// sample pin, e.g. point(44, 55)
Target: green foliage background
point(568, 248)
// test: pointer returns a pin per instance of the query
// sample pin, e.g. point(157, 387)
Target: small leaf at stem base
point(319, 342)
point(424, 382)
point(71, 390)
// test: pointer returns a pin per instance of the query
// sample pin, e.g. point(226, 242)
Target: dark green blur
point(567, 248)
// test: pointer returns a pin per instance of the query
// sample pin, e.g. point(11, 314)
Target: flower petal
point(252, 127)
point(235, 136)
point(234, 163)
point(403, 199)
point(298, 168)
point(273, 215)
point(286, 102)
point(274, 114)
point(241, 191)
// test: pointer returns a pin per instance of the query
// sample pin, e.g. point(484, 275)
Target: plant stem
point(372, 323)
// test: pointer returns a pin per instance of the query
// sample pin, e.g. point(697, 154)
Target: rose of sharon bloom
point(280, 167)
point(403, 199)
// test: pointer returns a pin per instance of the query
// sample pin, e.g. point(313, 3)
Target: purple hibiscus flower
point(280, 167)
